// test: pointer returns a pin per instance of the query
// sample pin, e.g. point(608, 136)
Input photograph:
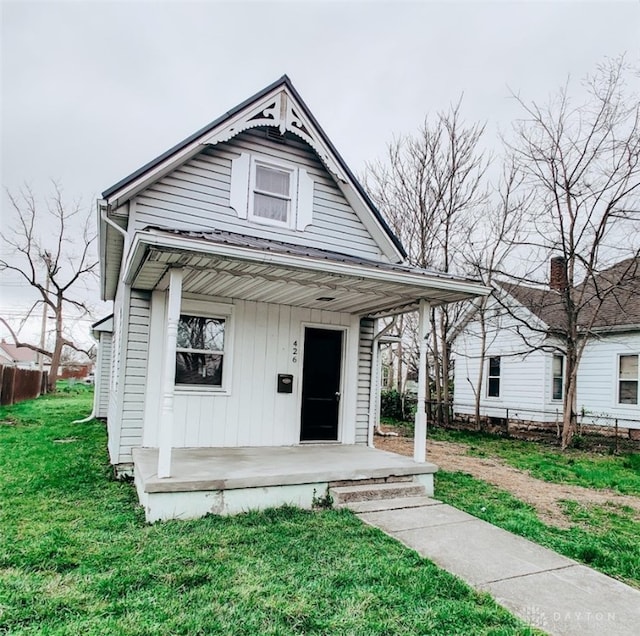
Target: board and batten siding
point(365, 355)
point(267, 339)
point(196, 196)
point(103, 372)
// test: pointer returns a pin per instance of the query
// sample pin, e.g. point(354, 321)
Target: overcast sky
point(93, 90)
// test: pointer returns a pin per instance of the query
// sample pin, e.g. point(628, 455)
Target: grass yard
point(603, 537)
point(77, 558)
point(582, 468)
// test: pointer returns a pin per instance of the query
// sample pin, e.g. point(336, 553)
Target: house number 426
point(294, 351)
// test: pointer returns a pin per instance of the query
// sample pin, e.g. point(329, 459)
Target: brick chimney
point(558, 274)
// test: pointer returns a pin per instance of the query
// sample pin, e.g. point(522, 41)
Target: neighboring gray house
point(248, 269)
point(102, 332)
point(524, 379)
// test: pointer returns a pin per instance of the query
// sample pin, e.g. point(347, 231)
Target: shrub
point(398, 406)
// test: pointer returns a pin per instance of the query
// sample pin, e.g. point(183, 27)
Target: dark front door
point(321, 384)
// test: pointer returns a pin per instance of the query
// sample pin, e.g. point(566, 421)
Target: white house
point(523, 377)
point(248, 269)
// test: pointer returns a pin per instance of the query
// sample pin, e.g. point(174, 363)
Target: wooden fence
point(17, 385)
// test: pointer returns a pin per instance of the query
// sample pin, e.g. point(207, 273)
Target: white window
point(493, 385)
point(557, 374)
point(271, 194)
point(200, 351)
point(269, 191)
point(628, 379)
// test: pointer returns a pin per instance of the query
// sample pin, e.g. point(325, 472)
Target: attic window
point(268, 191)
point(272, 193)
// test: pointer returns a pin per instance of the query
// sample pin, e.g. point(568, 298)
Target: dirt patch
point(544, 496)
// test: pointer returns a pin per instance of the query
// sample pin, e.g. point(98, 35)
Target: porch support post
point(165, 436)
point(420, 433)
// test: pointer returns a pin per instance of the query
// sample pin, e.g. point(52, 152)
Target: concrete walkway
point(546, 590)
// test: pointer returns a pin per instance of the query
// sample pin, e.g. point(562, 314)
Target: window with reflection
point(200, 351)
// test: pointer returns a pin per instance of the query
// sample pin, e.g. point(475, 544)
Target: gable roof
point(611, 299)
point(18, 354)
point(294, 117)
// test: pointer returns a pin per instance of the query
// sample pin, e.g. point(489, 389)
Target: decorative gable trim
point(282, 112)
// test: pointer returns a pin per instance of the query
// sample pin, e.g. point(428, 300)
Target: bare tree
point(490, 245)
point(52, 251)
point(582, 164)
point(430, 188)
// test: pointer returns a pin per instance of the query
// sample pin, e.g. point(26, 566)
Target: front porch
point(233, 480)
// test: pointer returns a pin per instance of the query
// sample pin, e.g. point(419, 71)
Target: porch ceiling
point(330, 282)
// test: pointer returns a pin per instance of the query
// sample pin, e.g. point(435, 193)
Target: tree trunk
point(445, 355)
point(483, 353)
point(569, 418)
point(57, 350)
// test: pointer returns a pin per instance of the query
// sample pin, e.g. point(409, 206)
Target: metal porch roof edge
point(332, 262)
point(101, 322)
point(282, 81)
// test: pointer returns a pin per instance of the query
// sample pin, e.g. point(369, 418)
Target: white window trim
point(268, 162)
point(223, 311)
point(241, 194)
point(560, 399)
point(620, 404)
point(499, 396)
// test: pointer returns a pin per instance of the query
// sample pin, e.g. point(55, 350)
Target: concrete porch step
point(373, 480)
point(380, 505)
point(372, 492)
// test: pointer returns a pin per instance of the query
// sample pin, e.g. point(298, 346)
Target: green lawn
point(77, 558)
point(603, 537)
point(572, 466)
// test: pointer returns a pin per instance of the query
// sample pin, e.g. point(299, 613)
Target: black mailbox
point(285, 383)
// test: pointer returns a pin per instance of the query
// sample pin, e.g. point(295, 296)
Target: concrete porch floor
point(255, 467)
point(231, 480)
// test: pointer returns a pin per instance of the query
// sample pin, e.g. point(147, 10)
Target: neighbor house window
point(628, 380)
point(200, 351)
point(272, 194)
point(493, 389)
point(557, 373)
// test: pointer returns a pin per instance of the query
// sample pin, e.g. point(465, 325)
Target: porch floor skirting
point(232, 480)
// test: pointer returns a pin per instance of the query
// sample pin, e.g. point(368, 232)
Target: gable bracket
point(278, 111)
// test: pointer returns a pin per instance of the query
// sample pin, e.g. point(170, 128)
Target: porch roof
point(227, 264)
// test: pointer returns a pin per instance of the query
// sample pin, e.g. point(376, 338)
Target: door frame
point(343, 370)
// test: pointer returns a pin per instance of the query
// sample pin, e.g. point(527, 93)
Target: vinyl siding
point(115, 407)
point(598, 380)
point(135, 371)
point(364, 380)
point(103, 373)
point(526, 379)
point(523, 374)
point(196, 196)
